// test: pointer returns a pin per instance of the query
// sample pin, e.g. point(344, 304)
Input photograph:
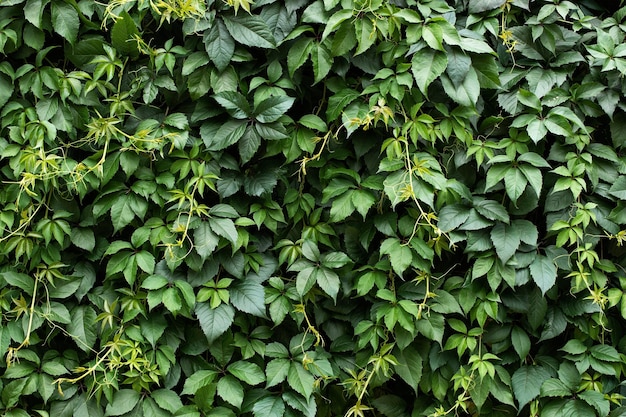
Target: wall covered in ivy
point(325, 208)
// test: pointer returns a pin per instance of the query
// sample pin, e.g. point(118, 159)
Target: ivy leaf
point(521, 342)
point(618, 189)
point(249, 144)
point(248, 296)
point(543, 271)
point(82, 327)
point(227, 134)
point(409, 366)
point(400, 255)
point(506, 239)
point(225, 228)
point(230, 390)
point(235, 103)
point(123, 35)
point(124, 400)
point(526, 383)
point(214, 322)
point(65, 20)
point(247, 372)
point(322, 61)
point(276, 371)
point(219, 45)
point(327, 280)
point(479, 6)
point(300, 379)
point(432, 326)
point(122, 212)
point(167, 400)
point(198, 380)
point(426, 65)
point(452, 216)
point(272, 108)
point(269, 407)
point(250, 30)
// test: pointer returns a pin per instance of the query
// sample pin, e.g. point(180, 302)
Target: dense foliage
point(312, 208)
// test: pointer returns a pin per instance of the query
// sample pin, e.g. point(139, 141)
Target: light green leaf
point(327, 280)
point(235, 103)
point(322, 61)
point(167, 399)
point(452, 216)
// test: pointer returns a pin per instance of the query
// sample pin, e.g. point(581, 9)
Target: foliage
point(312, 208)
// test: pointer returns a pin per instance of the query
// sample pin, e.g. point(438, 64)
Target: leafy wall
point(312, 208)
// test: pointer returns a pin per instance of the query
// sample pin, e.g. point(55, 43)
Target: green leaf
point(465, 93)
point(204, 240)
point(248, 296)
point(219, 44)
point(492, 210)
point(65, 20)
point(249, 144)
point(515, 183)
point(597, 400)
point(432, 326)
point(618, 188)
point(247, 372)
point(150, 409)
point(269, 407)
point(226, 134)
point(34, 10)
point(458, 66)
point(230, 390)
point(122, 212)
point(328, 281)
point(250, 30)
point(526, 383)
point(400, 255)
point(553, 387)
point(506, 239)
point(272, 108)
point(235, 103)
point(82, 327)
point(225, 228)
point(409, 366)
point(123, 35)
point(214, 322)
point(543, 271)
point(520, 342)
point(570, 408)
point(276, 371)
point(452, 216)
point(300, 380)
point(167, 400)
point(427, 65)
point(322, 61)
point(198, 380)
point(19, 280)
point(124, 401)
point(338, 102)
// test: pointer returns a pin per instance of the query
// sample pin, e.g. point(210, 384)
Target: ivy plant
point(397, 208)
